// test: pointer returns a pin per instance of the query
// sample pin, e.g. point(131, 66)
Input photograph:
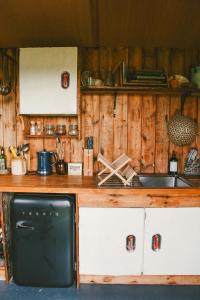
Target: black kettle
point(45, 162)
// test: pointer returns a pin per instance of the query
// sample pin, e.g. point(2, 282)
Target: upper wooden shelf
point(42, 136)
point(139, 90)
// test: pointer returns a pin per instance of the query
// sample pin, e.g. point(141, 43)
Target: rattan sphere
point(182, 130)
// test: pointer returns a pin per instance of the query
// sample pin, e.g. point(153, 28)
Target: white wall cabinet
point(103, 232)
point(40, 76)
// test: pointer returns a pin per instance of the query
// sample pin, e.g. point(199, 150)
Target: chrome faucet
point(145, 166)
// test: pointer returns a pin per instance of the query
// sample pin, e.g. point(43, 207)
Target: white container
point(18, 166)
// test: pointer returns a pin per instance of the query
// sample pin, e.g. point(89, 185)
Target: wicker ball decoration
point(182, 130)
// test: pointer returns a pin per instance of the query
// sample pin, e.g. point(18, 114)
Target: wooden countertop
point(80, 184)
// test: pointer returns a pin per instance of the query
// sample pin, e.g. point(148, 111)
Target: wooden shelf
point(42, 136)
point(139, 90)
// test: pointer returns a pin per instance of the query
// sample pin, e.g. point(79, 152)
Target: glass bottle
point(173, 164)
point(2, 160)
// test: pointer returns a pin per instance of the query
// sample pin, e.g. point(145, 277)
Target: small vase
point(60, 167)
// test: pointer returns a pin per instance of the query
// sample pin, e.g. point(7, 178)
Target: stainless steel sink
point(163, 181)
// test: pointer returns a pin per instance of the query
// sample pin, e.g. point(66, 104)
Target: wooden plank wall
point(139, 126)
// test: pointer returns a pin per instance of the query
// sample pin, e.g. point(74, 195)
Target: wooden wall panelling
point(163, 60)
point(106, 125)
point(87, 115)
point(36, 144)
point(90, 122)
point(161, 139)
point(1, 121)
point(175, 108)
point(198, 123)
point(76, 151)
point(1, 107)
point(90, 60)
point(49, 144)
point(177, 61)
point(9, 123)
point(135, 130)
point(118, 55)
point(120, 126)
point(134, 58)
point(105, 62)
point(96, 128)
point(148, 133)
point(22, 122)
point(149, 58)
point(190, 110)
point(9, 112)
point(66, 141)
point(191, 56)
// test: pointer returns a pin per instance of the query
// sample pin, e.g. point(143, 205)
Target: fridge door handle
point(24, 225)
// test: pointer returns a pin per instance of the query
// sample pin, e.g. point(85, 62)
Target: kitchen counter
point(90, 195)
point(76, 184)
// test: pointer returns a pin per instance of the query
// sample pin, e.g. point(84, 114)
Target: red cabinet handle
point(65, 78)
point(156, 242)
point(130, 243)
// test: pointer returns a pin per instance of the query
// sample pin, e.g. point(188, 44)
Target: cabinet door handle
point(24, 225)
point(130, 243)
point(65, 77)
point(156, 242)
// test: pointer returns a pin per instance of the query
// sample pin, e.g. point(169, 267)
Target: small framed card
point(74, 168)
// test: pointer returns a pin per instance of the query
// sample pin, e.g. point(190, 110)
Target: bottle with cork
point(173, 164)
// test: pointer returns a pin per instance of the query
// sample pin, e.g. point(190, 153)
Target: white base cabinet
point(180, 241)
point(103, 233)
point(102, 241)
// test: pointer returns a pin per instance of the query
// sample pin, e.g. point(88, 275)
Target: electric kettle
point(45, 162)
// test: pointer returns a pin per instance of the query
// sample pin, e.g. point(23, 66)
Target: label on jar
point(173, 166)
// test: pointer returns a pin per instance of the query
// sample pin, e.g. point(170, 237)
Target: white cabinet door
point(40, 73)
point(180, 245)
point(102, 241)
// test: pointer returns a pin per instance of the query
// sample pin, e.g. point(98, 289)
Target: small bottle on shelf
point(32, 128)
point(173, 164)
point(2, 160)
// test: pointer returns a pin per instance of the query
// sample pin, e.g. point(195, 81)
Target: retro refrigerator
point(43, 239)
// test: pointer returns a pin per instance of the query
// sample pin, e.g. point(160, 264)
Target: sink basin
point(163, 181)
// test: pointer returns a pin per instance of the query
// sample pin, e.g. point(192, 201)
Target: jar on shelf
point(73, 130)
point(32, 128)
point(60, 129)
point(39, 128)
point(49, 129)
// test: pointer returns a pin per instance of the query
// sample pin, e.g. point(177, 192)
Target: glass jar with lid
point(60, 129)
point(49, 129)
point(73, 130)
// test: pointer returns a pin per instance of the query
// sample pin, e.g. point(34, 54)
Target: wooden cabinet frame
point(114, 201)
